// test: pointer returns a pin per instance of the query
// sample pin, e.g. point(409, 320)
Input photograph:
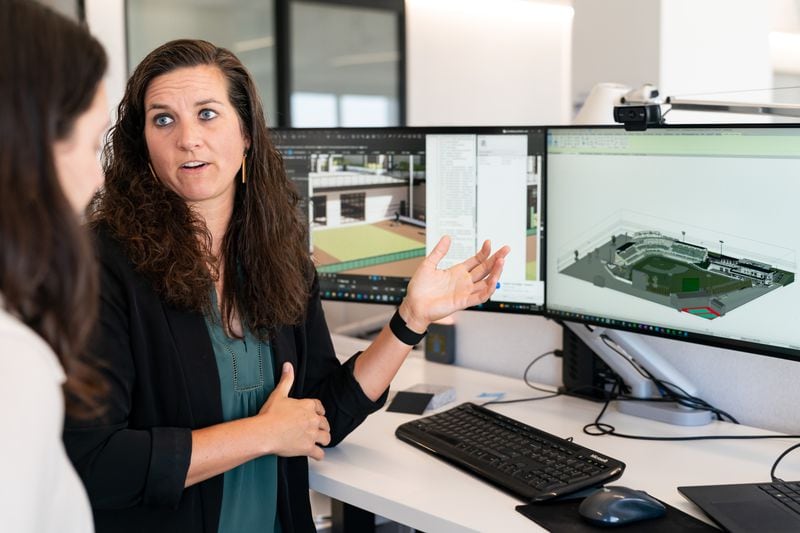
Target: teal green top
point(246, 378)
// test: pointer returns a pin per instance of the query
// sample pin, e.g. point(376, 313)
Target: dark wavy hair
point(265, 250)
point(50, 70)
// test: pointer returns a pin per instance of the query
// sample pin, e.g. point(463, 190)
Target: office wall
point(713, 49)
point(475, 62)
point(614, 41)
point(106, 20)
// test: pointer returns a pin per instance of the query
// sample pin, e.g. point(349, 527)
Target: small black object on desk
point(412, 403)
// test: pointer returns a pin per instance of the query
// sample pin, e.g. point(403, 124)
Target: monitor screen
point(683, 232)
point(379, 199)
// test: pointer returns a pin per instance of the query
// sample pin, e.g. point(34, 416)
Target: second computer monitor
point(685, 232)
point(378, 200)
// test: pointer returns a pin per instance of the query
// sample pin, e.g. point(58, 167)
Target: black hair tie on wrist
point(401, 331)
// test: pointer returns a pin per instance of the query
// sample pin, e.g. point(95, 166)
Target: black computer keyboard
point(529, 463)
point(786, 492)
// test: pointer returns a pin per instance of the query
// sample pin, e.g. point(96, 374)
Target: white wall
point(715, 47)
point(614, 41)
point(106, 20)
point(379, 202)
point(473, 62)
point(684, 47)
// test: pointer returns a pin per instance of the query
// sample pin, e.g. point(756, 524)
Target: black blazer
point(164, 383)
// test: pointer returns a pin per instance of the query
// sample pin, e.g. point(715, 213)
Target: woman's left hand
point(434, 294)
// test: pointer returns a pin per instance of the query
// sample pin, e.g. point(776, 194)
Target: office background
point(481, 62)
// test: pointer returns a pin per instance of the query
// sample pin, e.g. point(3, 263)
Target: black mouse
point(616, 506)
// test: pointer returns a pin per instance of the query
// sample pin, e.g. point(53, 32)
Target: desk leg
point(347, 518)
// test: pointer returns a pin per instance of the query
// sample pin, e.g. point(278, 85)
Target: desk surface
point(373, 470)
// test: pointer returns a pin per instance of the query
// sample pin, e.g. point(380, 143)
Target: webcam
point(639, 108)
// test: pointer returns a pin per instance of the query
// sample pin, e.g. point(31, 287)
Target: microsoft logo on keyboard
point(598, 458)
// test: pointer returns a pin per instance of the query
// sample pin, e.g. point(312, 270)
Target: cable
point(670, 391)
point(603, 429)
point(673, 394)
point(778, 460)
point(734, 92)
point(597, 429)
point(528, 368)
point(550, 393)
point(519, 400)
point(613, 345)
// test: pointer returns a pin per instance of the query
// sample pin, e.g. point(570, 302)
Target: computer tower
point(583, 373)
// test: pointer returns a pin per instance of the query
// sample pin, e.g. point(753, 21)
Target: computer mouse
point(616, 506)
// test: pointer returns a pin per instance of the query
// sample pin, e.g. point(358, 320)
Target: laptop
point(749, 507)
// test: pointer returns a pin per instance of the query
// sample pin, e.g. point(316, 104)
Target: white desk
point(373, 470)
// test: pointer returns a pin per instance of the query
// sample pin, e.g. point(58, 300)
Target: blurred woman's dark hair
point(50, 70)
point(265, 249)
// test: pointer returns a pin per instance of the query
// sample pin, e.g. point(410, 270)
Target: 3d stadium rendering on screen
point(676, 273)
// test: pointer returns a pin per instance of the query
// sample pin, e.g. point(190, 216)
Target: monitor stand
point(641, 355)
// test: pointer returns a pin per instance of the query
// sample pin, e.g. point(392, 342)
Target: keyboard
point(524, 461)
point(748, 507)
point(788, 493)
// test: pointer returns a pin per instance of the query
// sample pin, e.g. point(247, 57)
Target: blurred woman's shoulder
point(24, 355)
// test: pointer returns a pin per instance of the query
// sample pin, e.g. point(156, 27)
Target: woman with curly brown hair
point(224, 378)
point(52, 115)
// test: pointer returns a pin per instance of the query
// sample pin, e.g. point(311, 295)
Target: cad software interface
point(379, 199)
point(677, 231)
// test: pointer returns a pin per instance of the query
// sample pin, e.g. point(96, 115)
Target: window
point(322, 63)
point(245, 27)
point(346, 63)
point(320, 210)
point(353, 207)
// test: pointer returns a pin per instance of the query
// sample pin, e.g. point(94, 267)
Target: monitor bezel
point(558, 316)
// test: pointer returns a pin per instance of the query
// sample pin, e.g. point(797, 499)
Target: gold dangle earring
point(153, 172)
point(244, 167)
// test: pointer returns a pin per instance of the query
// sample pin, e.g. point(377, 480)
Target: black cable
point(597, 429)
point(778, 460)
point(613, 346)
point(601, 428)
point(670, 391)
point(528, 368)
point(551, 393)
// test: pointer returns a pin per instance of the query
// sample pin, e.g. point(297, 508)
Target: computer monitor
point(685, 232)
point(378, 200)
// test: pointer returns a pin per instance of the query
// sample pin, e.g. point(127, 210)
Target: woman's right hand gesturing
point(294, 427)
